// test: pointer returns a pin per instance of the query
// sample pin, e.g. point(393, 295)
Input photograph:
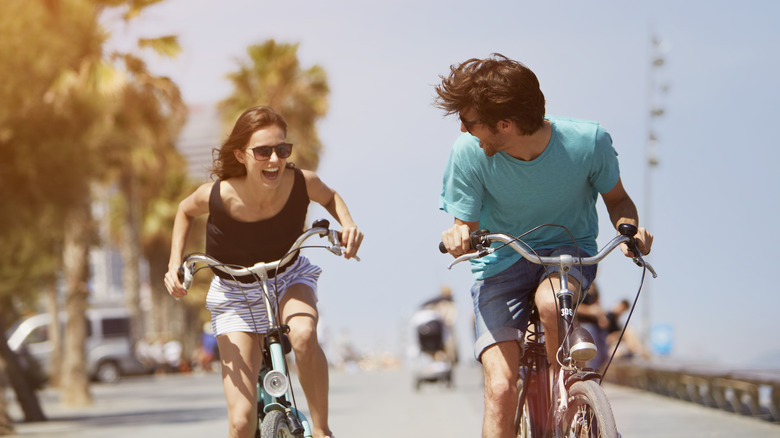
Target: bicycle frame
point(274, 389)
point(534, 374)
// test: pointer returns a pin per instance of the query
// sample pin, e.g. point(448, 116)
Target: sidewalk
point(174, 406)
point(377, 403)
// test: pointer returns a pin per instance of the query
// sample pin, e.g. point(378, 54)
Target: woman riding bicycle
point(511, 170)
point(257, 209)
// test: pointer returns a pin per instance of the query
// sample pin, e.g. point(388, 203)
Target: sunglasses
point(262, 153)
point(468, 124)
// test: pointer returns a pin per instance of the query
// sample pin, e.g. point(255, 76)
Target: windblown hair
point(496, 88)
point(225, 163)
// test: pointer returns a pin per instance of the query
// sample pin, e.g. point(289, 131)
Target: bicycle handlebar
point(320, 227)
point(480, 240)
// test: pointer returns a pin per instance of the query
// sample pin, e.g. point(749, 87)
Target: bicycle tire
point(589, 413)
point(275, 425)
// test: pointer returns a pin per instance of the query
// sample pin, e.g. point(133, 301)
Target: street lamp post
point(654, 112)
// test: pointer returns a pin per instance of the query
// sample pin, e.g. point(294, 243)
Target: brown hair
point(225, 163)
point(496, 88)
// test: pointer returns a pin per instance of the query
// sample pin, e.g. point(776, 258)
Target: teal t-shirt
point(512, 196)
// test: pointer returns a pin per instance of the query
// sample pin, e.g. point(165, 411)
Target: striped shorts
point(239, 307)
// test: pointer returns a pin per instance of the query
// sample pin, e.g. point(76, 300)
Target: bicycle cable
point(550, 280)
point(625, 325)
point(279, 317)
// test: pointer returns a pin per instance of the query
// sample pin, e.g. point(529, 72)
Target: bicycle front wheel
point(589, 414)
point(275, 425)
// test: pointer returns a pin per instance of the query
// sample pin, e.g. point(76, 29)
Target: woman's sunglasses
point(262, 153)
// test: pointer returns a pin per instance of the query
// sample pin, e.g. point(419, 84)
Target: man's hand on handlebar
point(644, 241)
point(456, 239)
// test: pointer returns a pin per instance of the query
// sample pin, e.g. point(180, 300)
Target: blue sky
point(711, 202)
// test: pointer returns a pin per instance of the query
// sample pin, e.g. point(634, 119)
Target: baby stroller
point(430, 359)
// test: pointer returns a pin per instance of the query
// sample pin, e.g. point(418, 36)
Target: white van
point(108, 345)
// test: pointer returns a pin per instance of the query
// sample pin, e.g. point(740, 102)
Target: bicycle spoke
point(589, 414)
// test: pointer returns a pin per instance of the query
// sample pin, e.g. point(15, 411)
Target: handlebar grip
point(627, 230)
point(184, 279)
point(475, 240)
point(321, 223)
point(630, 231)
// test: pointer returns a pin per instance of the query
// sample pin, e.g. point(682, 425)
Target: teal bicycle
point(278, 415)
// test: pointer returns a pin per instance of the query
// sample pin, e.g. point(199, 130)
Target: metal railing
point(750, 392)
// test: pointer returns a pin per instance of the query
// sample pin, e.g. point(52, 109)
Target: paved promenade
point(376, 404)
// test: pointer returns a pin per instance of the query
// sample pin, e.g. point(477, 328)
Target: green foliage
point(47, 132)
point(273, 76)
point(72, 116)
point(167, 46)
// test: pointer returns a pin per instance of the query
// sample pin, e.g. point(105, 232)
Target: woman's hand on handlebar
point(456, 239)
point(173, 284)
point(351, 238)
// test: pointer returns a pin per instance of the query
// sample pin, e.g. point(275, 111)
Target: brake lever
point(643, 264)
point(640, 261)
point(471, 255)
point(334, 237)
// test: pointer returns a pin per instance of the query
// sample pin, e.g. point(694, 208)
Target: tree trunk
point(55, 333)
point(75, 382)
point(161, 300)
point(131, 254)
point(25, 394)
point(6, 425)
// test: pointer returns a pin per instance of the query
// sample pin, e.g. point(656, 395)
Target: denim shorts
point(503, 302)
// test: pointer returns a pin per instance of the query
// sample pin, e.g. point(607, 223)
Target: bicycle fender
point(274, 406)
point(582, 376)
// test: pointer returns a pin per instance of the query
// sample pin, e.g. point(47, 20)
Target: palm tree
point(60, 109)
point(49, 128)
point(273, 76)
point(142, 154)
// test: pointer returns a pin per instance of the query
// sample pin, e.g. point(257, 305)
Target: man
point(511, 170)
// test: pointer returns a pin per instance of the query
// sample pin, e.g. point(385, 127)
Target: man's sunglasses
point(262, 153)
point(468, 124)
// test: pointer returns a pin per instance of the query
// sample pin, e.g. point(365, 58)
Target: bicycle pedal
point(583, 348)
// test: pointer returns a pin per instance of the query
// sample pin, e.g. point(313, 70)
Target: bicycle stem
point(565, 299)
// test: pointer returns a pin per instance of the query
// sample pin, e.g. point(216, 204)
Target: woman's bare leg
point(241, 359)
point(299, 311)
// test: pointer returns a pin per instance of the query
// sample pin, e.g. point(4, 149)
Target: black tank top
point(246, 243)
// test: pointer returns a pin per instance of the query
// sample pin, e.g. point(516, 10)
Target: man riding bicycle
point(531, 170)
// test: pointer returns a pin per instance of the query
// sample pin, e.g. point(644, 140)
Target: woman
point(257, 208)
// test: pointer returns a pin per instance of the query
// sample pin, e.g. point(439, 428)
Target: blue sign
point(661, 339)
